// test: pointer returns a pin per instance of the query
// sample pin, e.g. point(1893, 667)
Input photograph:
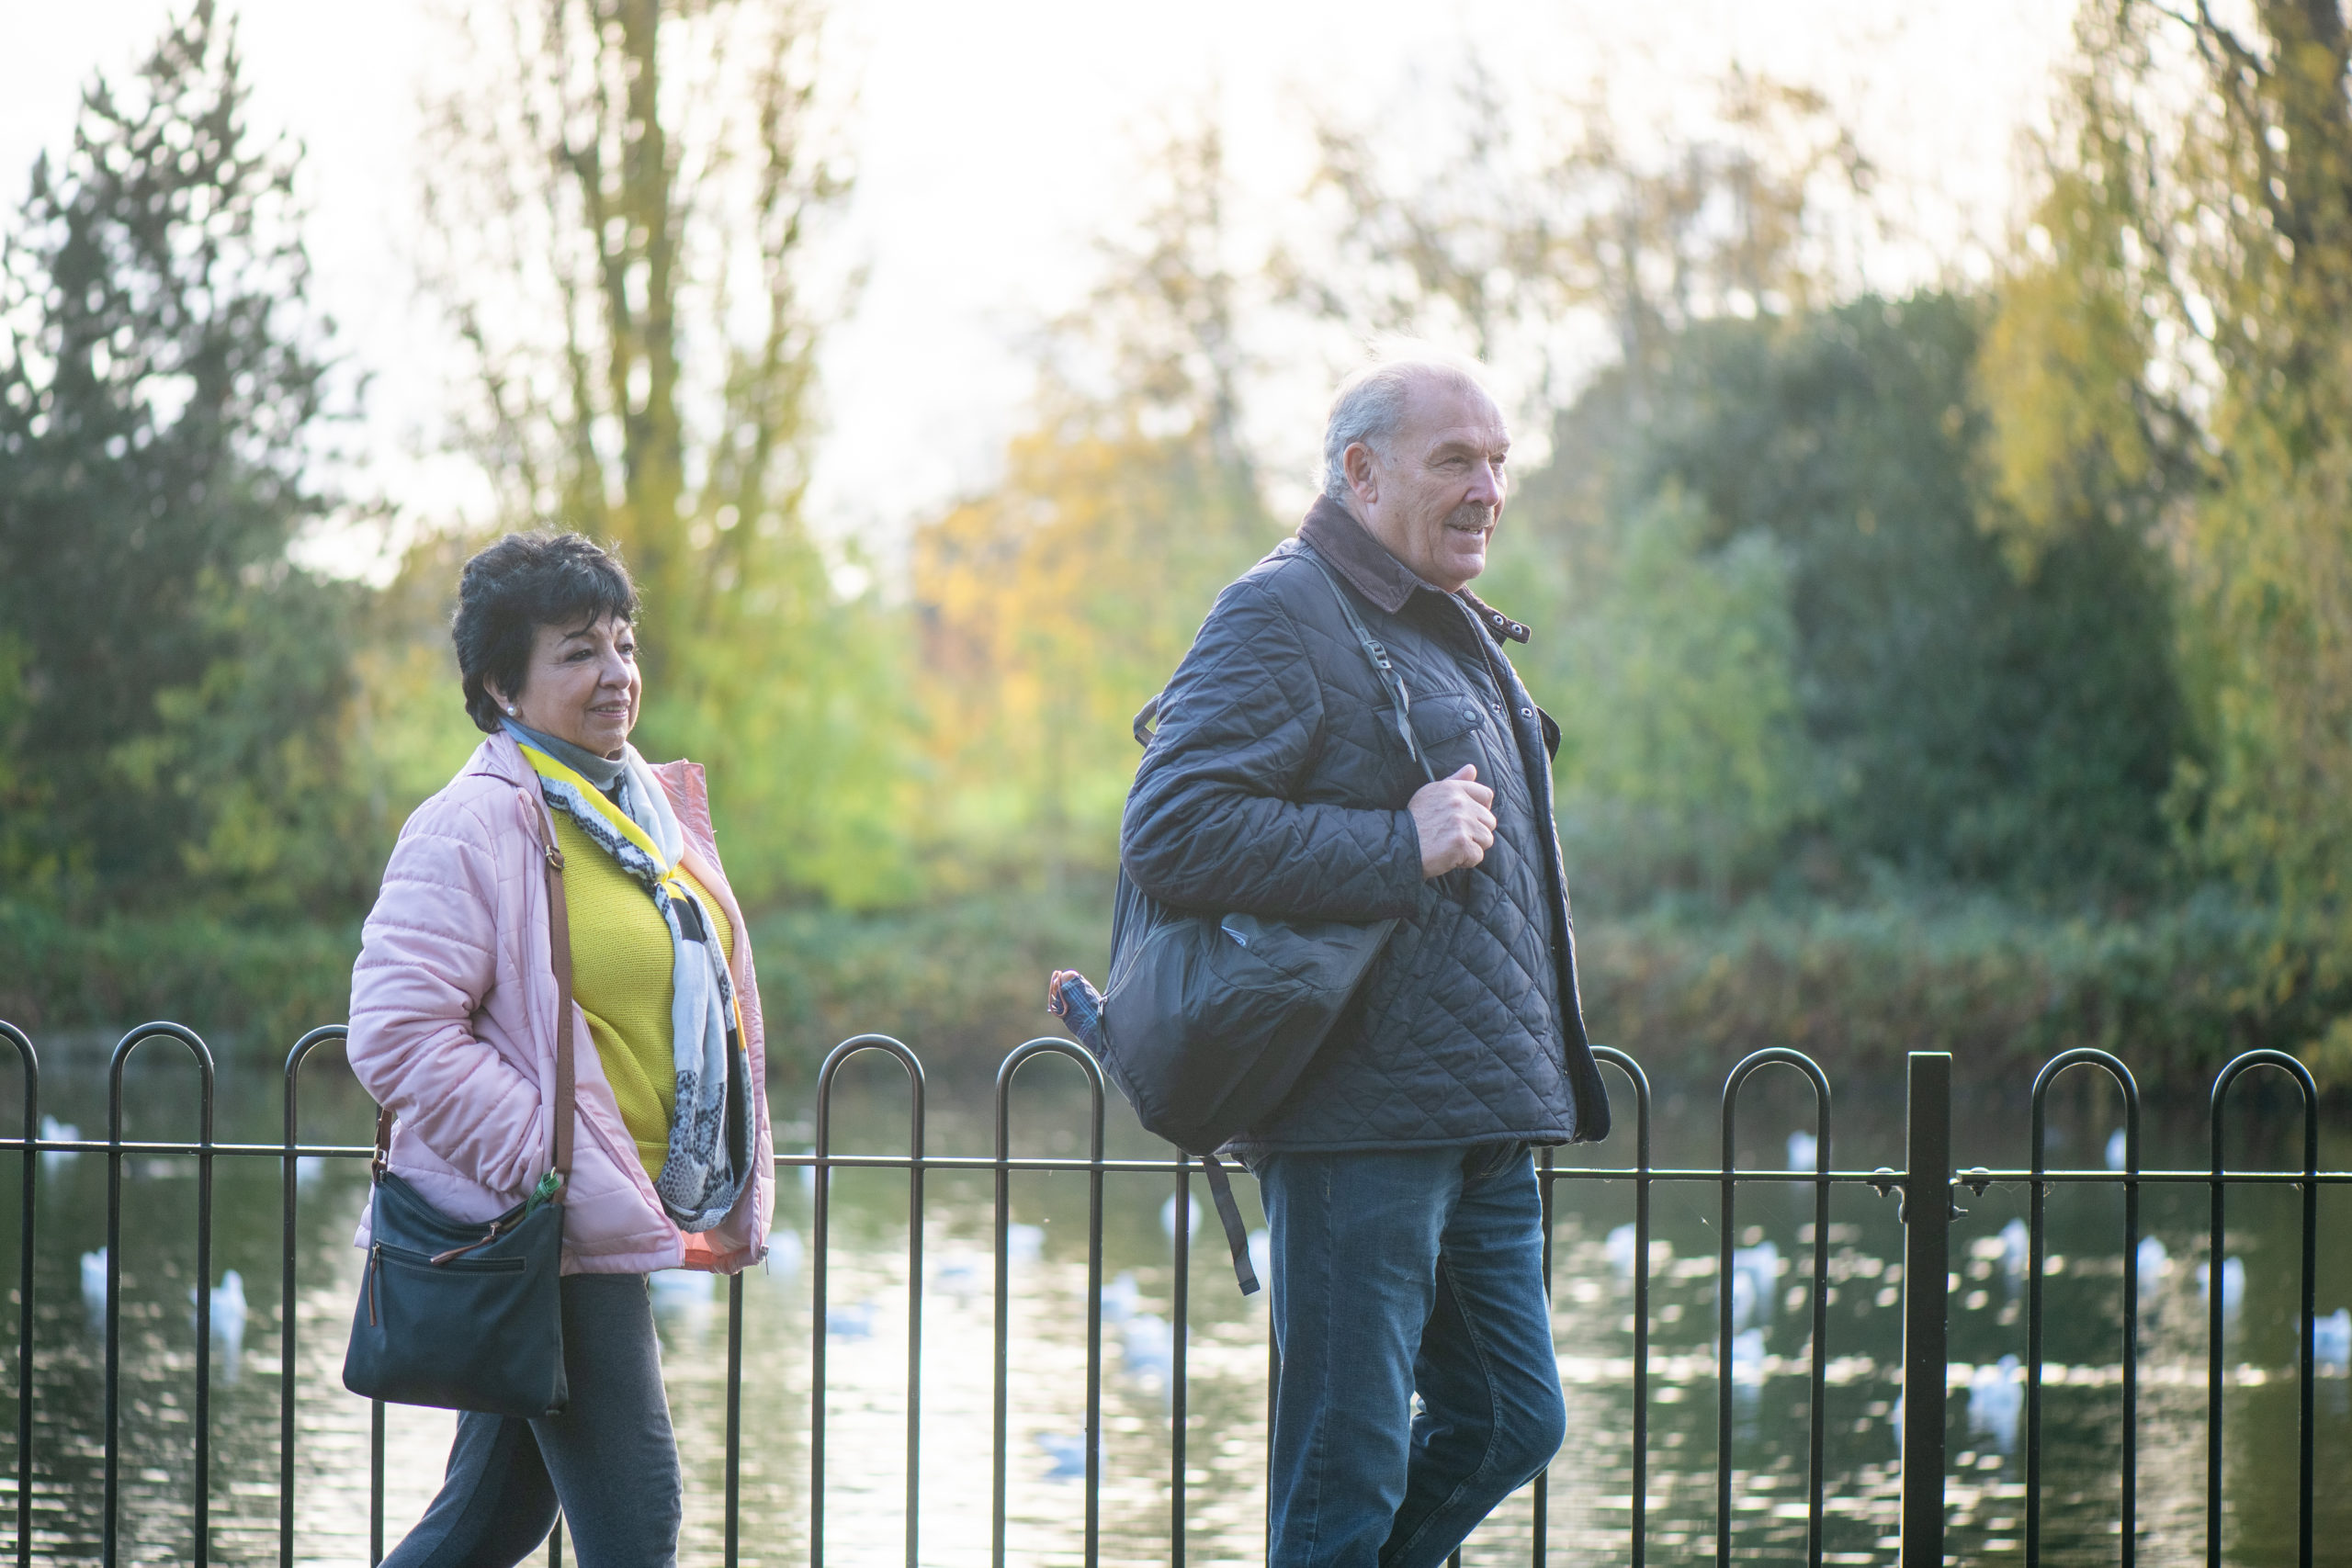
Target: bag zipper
point(485, 1264)
point(440, 1258)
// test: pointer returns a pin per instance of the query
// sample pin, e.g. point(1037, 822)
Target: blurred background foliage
point(1968, 669)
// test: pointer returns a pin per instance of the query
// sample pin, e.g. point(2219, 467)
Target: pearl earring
point(510, 710)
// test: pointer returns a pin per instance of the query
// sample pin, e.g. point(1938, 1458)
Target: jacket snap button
point(1527, 712)
point(1471, 714)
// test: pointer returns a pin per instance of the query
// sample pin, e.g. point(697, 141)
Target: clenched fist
point(1456, 821)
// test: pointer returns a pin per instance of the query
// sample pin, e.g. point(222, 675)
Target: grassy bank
point(2174, 992)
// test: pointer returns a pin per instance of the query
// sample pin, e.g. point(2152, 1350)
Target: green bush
point(260, 984)
point(962, 983)
point(2175, 992)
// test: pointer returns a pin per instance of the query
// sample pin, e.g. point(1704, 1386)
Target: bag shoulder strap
point(1228, 1214)
point(1400, 700)
point(1391, 679)
point(560, 954)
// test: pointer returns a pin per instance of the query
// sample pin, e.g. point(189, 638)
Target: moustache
point(1471, 515)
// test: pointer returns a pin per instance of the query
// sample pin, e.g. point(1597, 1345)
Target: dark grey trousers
point(610, 1460)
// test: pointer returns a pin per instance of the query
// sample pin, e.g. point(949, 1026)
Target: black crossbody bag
point(467, 1317)
point(1209, 1020)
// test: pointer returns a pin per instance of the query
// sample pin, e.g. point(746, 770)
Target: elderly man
point(1397, 1176)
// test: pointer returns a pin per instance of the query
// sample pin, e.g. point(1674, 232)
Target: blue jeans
point(1396, 1273)
point(609, 1459)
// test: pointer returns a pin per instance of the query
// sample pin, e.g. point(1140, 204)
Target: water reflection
point(1225, 1348)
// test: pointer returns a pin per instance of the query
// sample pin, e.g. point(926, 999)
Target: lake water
point(866, 1481)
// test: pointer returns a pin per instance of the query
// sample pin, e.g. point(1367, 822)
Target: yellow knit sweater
point(621, 959)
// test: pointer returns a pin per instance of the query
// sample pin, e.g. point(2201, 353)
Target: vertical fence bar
point(1002, 1323)
point(31, 1064)
point(819, 1236)
point(1724, 1239)
point(1093, 1334)
point(1050, 1046)
point(2128, 1501)
point(1180, 1309)
point(203, 1522)
point(2217, 1328)
point(2306, 1414)
point(2216, 1290)
point(114, 1325)
point(734, 1416)
point(914, 1313)
point(1539, 1534)
point(374, 1482)
point(111, 1529)
point(1748, 1065)
point(1640, 1081)
point(1817, 1357)
point(2037, 1249)
point(1926, 1304)
point(820, 1231)
point(286, 1314)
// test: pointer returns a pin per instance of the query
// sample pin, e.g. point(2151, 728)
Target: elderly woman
point(454, 1029)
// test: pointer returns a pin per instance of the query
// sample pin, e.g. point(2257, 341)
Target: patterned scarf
point(710, 1131)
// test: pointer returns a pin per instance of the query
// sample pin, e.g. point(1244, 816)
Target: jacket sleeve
point(1213, 820)
point(427, 956)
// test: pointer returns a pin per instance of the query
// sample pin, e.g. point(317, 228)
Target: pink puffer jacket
point(453, 1026)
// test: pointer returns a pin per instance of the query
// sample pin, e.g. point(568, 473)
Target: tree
point(1972, 722)
point(1684, 762)
point(1508, 233)
point(1055, 602)
point(177, 681)
point(1764, 533)
point(622, 211)
point(2198, 247)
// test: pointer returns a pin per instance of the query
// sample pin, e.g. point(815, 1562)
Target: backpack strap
point(1229, 1214)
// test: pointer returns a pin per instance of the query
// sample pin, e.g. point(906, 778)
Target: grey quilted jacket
point(1277, 784)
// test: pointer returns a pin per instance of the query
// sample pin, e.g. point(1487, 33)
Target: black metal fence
point(1928, 1188)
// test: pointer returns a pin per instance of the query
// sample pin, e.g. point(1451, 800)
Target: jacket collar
point(499, 757)
point(1338, 537)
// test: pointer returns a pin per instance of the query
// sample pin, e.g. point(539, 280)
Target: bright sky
point(994, 142)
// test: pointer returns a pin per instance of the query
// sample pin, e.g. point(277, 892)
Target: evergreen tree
point(175, 680)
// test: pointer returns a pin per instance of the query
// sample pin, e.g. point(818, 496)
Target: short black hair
point(517, 585)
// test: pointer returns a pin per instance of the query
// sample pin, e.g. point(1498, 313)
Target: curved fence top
point(1046, 1046)
point(1780, 1056)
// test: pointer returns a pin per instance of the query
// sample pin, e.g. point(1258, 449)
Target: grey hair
point(1370, 405)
